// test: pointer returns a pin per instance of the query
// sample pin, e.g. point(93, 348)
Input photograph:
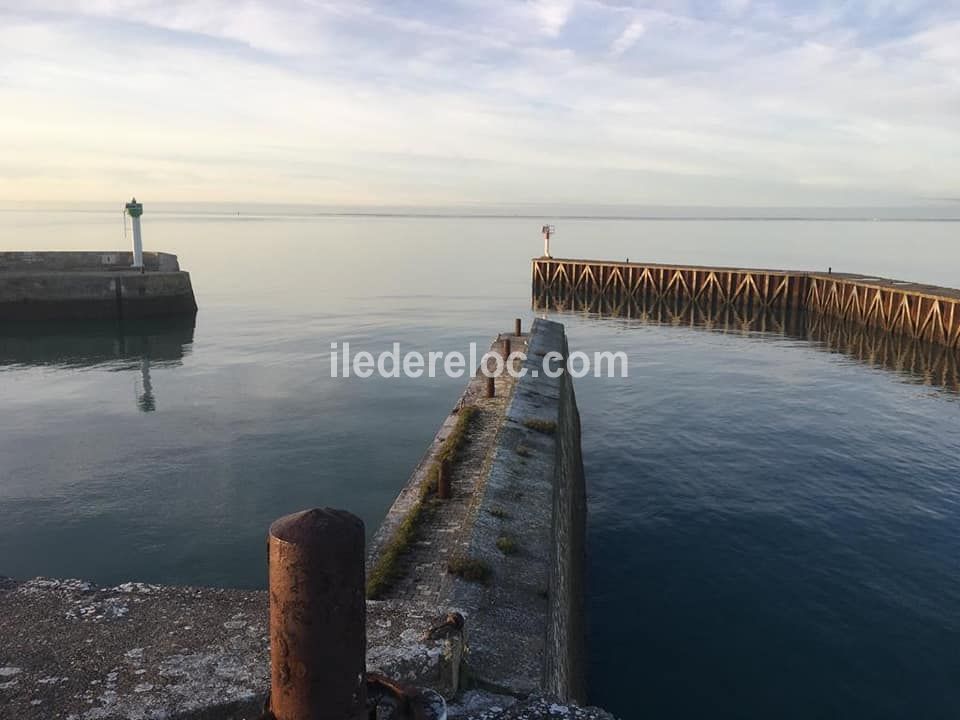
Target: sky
point(416, 102)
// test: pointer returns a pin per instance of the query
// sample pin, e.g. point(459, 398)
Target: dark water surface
point(774, 530)
point(774, 516)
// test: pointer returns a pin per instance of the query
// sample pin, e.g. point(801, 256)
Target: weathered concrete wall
point(90, 294)
point(71, 261)
point(564, 673)
point(526, 626)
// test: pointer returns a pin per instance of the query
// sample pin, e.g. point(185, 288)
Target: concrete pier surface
point(69, 649)
point(92, 285)
point(921, 312)
point(517, 521)
point(505, 553)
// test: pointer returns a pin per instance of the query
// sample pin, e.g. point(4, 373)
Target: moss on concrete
point(470, 569)
point(507, 545)
point(547, 427)
point(387, 568)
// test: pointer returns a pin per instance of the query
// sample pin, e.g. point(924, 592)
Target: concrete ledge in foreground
point(74, 651)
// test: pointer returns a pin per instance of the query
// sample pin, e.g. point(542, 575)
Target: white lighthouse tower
point(547, 231)
point(135, 210)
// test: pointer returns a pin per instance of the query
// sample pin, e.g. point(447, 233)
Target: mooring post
point(517, 327)
point(317, 617)
point(443, 479)
point(491, 387)
point(506, 348)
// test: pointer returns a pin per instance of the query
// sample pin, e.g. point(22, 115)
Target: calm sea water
point(774, 526)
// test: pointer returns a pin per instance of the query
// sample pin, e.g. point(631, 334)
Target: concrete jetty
point(921, 312)
point(92, 285)
point(505, 550)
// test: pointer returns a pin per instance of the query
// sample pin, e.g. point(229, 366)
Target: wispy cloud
point(552, 15)
point(625, 40)
point(547, 100)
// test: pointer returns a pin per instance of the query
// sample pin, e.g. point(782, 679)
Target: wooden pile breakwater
point(921, 312)
point(920, 361)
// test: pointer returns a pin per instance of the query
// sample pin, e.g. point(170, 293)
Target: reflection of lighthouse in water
point(135, 348)
point(145, 400)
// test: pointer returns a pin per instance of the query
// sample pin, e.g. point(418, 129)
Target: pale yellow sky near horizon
point(569, 102)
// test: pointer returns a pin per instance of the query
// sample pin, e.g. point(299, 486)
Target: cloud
point(552, 14)
point(625, 40)
point(473, 100)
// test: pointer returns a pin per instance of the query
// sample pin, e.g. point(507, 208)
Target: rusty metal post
point(491, 387)
point(443, 479)
point(317, 616)
point(517, 327)
point(506, 348)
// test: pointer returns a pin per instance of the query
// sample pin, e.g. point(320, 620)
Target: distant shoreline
point(255, 212)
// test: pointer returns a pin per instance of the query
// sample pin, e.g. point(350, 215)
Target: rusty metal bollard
point(506, 348)
point(443, 479)
point(517, 327)
point(317, 617)
point(491, 387)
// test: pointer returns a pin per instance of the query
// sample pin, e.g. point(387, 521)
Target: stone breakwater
point(92, 285)
point(74, 651)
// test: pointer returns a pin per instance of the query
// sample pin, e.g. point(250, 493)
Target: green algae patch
point(547, 427)
point(470, 569)
point(387, 568)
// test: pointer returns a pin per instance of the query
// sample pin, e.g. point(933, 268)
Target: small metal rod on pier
point(517, 327)
point(317, 617)
point(506, 348)
point(443, 479)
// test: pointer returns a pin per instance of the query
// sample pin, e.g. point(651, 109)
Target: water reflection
point(919, 361)
point(117, 346)
point(145, 400)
